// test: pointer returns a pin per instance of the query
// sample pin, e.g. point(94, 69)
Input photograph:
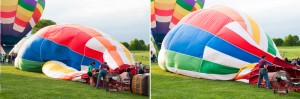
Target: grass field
point(169, 85)
point(141, 56)
point(21, 84)
point(290, 52)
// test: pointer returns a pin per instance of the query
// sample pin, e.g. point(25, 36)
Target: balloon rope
point(82, 56)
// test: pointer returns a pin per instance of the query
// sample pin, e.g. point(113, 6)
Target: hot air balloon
point(218, 43)
point(165, 14)
point(18, 17)
point(17, 46)
point(70, 48)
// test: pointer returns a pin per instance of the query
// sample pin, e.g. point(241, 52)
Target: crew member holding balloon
point(103, 69)
point(263, 73)
point(90, 74)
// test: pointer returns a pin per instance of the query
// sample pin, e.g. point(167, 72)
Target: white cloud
point(122, 19)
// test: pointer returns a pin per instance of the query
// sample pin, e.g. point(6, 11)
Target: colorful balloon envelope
point(218, 43)
point(165, 14)
point(18, 17)
point(75, 46)
point(17, 47)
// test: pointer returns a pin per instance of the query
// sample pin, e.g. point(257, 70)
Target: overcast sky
point(278, 18)
point(129, 19)
point(122, 19)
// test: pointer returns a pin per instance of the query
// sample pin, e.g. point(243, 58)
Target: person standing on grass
point(130, 70)
point(136, 68)
point(140, 67)
point(287, 60)
point(298, 61)
point(13, 57)
point(103, 69)
point(90, 74)
point(2, 58)
point(6, 58)
point(294, 62)
point(263, 72)
point(10, 58)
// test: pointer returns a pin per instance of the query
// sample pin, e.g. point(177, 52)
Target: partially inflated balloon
point(18, 46)
point(18, 17)
point(217, 43)
point(74, 45)
point(165, 14)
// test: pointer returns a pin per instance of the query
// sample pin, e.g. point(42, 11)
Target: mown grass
point(29, 85)
point(141, 56)
point(290, 52)
point(165, 85)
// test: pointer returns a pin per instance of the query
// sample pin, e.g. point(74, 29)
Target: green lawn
point(290, 52)
point(141, 56)
point(169, 85)
point(21, 84)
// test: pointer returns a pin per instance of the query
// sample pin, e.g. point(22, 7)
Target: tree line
point(290, 40)
point(136, 45)
point(41, 24)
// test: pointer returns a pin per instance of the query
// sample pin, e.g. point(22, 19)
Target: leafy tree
point(138, 45)
point(143, 45)
point(135, 45)
point(125, 44)
point(289, 41)
point(278, 41)
point(296, 38)
point(41, 24)
point(142, 42)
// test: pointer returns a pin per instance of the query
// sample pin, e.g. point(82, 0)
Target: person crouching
point(90, 74)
